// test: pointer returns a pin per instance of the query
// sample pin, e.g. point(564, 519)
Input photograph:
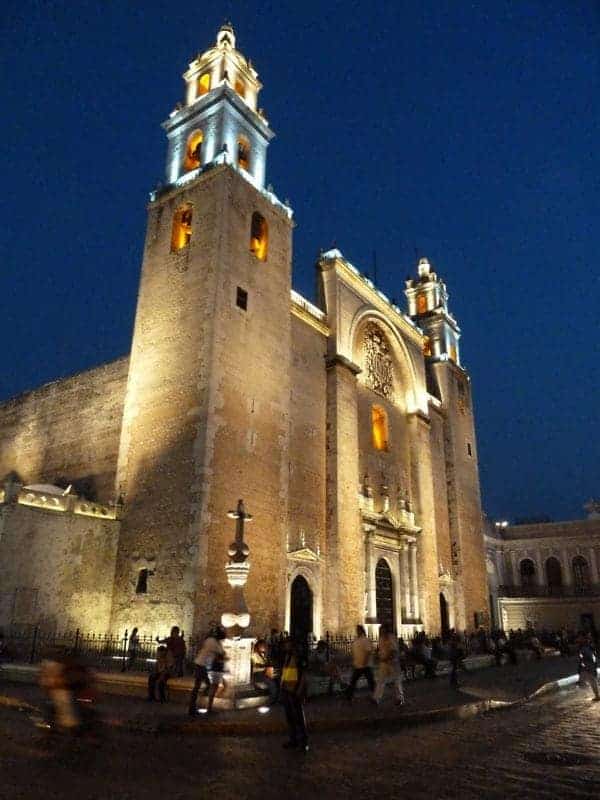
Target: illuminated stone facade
point(545, 574)
point(346, 426)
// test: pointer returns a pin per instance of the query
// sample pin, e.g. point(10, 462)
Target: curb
point(267, 726)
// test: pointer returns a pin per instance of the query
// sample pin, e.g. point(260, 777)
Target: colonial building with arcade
point(345, 424)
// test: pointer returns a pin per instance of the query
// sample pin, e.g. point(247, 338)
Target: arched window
point(581, 574)
point(243, 154)
point(553, 575)
point(421, 304)
point(182, 228)
point(379, 428)
point(259, 236)
point(240, 88)
point(426, 346)
point(204, 84)
point(193, 151)
point(527, 572)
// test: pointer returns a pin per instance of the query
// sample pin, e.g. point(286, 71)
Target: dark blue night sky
point(467, 130)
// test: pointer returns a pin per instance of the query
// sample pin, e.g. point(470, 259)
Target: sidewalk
point(426, 701)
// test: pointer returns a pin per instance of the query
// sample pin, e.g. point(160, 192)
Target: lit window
point(193, 151)
point(421, 304)
point(259, 236)
point(204, 84)
point(182, 228)
point(142, 582)
point(379, 428)
point(240, 88)
point(453, 354)
point(426, 346)
point(243, 158)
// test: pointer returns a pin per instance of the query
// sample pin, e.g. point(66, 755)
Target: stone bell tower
point(449, 381)
point(207, 402)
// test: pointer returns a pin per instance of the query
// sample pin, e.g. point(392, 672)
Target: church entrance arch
point(444, 616)
point(384, 593)
point(301, 608)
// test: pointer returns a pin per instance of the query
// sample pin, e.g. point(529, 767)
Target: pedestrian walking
point(389, 665)
point(293, 695)
point(209, 667)
point(132, 650)
point(362, 651)
point(588, 665)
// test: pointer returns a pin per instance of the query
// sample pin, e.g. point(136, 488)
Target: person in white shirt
point(389, 667)
point(362, 650)
point(210, 663)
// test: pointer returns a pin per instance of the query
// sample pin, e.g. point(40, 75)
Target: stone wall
point(56, 569)
point(67, 431)
point(548, 612)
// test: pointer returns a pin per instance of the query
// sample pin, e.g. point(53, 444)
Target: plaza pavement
point(427, 701)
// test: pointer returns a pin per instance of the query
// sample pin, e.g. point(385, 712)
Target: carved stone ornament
point(378, 362)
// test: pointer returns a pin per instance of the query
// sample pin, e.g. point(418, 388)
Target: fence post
point(76, 641)
point(33, 644)
point(125, 647)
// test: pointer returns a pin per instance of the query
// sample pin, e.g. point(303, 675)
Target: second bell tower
point(206, 417)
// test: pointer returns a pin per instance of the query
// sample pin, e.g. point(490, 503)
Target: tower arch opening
point(243, 153)
point(193, 151)
point(259, 236)
point(203, 85)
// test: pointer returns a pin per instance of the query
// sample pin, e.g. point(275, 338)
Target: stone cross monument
point(238, 647)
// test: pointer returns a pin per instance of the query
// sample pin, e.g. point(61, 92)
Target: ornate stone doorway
point(301, 608)
point(444, 616)
point(384, 593)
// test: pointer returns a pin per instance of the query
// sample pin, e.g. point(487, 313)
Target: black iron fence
point(106, 651)
point(111, 652)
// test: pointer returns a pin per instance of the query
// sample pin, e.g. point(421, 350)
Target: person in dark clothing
point(293, 694)
point(457, 657)
point(176, 646)
point(588, 665)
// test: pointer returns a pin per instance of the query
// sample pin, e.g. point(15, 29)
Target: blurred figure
point(362, 651)
point(69, 685)
point(389, 666)
point(175, 644)
point(588, 665)
point(263, 671)
point(160, 675)
point(132, 650)
point(293, 694)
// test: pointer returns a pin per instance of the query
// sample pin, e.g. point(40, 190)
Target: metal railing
point(589, 590)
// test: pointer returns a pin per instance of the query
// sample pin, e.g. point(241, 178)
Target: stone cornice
point(339, 360)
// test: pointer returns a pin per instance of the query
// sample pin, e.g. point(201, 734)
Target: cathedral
point(346, 425)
